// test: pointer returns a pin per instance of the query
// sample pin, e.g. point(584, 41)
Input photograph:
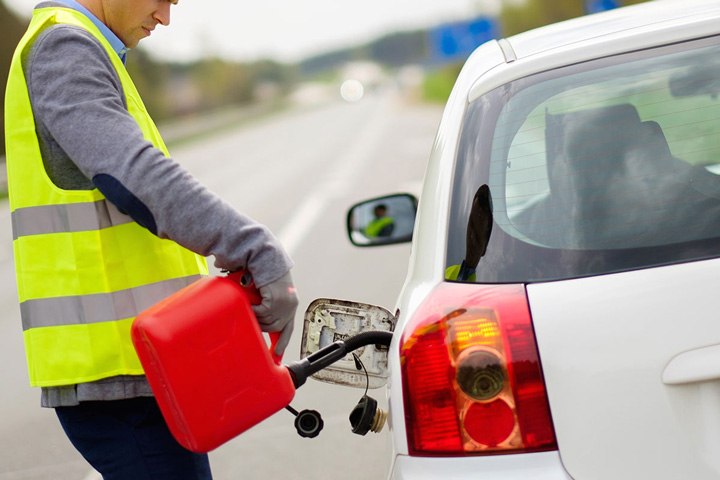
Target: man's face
point(133, 20)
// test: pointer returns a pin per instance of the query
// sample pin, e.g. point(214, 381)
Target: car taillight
point(472, 381)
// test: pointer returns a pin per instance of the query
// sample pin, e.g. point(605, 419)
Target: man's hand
point(276, 313)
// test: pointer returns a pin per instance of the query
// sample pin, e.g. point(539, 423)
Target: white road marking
point(348, 167)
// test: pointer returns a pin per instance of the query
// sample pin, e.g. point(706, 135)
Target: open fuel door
point(329, 320)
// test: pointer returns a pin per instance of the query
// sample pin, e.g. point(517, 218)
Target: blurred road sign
point(595, 6)
point(456, 41)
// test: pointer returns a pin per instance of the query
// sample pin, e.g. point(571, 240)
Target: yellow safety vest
point(453, 272)
point(375, 227)
point(84, 270)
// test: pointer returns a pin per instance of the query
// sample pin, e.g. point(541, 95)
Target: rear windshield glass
point(600, 167)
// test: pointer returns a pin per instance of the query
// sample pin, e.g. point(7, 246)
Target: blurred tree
point(268, 71)
point(11, 29)
point(152, 79)
point(438, 83)
point(221, 83)
point(327, 61)
point(519, 17)
point(178, 89)
point(399, 48)
point(392, 50)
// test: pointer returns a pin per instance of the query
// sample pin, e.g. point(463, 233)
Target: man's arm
point(77, 96)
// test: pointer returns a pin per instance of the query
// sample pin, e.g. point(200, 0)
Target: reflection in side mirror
point(382, 221)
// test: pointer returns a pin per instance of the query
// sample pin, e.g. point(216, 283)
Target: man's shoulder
point(63, 32)
point(66, 51)
point(62, 42)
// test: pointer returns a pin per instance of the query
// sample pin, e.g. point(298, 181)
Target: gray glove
point(276, 313)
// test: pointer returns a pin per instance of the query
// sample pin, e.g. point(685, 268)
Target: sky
point(288, 30)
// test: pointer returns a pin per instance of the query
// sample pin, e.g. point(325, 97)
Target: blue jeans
point(129, 439)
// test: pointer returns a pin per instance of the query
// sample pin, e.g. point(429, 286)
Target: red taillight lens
point(471, 374)
point(489, 423)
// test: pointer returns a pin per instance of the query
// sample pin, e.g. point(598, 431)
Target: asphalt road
point(297, 172)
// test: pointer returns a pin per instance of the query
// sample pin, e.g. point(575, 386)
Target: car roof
point(653, 15)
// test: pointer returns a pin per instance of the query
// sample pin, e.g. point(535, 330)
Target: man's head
point(131, 20)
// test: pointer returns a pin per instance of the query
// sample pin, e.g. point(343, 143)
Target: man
point(106, 225)
point(382, 225)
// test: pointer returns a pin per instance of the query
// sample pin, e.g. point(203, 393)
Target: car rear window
point(604, 166)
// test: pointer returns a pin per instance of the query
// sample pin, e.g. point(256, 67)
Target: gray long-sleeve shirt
point(89, 140)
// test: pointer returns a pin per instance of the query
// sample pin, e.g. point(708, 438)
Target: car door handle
point(698, 365)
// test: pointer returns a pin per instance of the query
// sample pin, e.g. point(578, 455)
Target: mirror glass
point(382, 221)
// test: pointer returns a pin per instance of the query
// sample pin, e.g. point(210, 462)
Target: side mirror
point(329, 320)
point(382, 221)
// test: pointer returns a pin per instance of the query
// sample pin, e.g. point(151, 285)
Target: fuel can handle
point(245, 280)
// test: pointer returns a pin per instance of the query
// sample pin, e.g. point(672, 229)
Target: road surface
point(297, 172)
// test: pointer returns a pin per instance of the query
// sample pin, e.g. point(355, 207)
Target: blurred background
point(224, 54)
point(291, 111)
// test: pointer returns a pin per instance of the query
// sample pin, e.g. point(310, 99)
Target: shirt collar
point(113, 39)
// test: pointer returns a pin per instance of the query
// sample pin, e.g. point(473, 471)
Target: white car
point(561, 314)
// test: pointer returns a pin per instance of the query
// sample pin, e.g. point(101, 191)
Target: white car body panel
point(656, 16)
point(653, 320)
point(426, 264)
point(604, 344)
point(537, 466)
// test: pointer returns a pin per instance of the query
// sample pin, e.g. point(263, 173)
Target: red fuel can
point(208, 364)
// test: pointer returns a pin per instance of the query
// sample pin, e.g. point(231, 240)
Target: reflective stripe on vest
point(72, 217)
point(98, 307)
point(84, 270)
